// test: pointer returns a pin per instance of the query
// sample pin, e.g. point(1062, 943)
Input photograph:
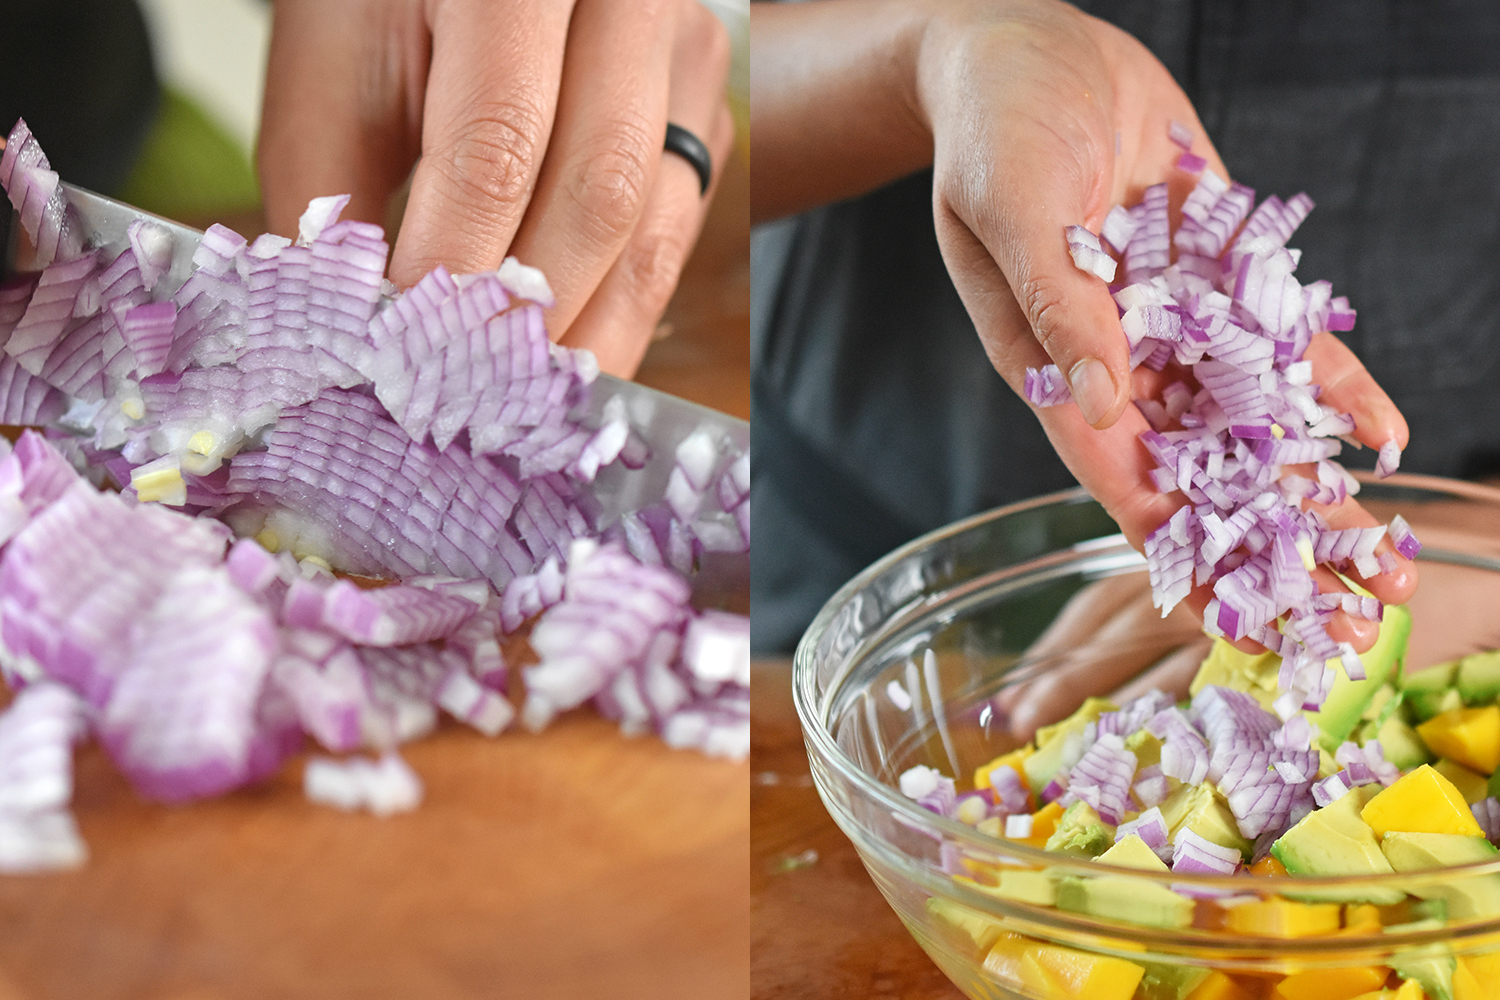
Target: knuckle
point(706, 37)
point(653, 263)
point(610, 184)
point(1043, 303)
point(492, 159)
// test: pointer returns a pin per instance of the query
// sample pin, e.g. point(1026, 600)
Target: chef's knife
point(661, 421)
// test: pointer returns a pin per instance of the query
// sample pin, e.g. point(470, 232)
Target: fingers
point(490, 104)
point(1011, 243)
point(342, 111)
point(618, 320)
point(605, 149)
point(1348, 387)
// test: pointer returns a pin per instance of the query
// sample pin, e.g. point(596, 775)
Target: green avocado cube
point(1116, 897)
point(1428, 692)
point(1348, 699)
point(1334, 840)
point(1478, 678)
point(1468, 897)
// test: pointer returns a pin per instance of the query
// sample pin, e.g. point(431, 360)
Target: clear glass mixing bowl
point(1029, 609)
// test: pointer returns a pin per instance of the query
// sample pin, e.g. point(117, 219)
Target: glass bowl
point(951, 650)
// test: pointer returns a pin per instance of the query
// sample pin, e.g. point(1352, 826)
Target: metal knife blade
point(661, 421)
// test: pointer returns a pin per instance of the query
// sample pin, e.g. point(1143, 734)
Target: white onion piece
point(384, 788)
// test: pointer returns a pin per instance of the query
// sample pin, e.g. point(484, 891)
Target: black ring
point(688, 146)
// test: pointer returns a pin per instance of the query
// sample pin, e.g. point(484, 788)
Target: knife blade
point(659, 420)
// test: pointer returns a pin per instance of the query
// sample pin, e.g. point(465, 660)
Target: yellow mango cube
point(1065, 972)
point(1283, 918)
point(1477, 977)
point(1014, 759)
point(1043, 825)
point(1472, 785)
point(1331, 984)
point(1218, 986)
point(1362, 918)
point(1421, 801)
point(1470, 736)
point(1004, 958)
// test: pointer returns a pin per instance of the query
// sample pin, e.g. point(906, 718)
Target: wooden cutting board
point(570, 863)
point(819, 927)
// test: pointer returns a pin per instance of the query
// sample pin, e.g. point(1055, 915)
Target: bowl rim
point(820, 740)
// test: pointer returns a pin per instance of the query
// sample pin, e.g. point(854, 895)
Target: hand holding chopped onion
point(1244, 411)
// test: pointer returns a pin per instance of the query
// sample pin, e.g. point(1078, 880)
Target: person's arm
point(535, 128)
point(1033, 116)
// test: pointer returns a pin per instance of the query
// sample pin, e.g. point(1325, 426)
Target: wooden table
point(819, 927)
point(573, 863)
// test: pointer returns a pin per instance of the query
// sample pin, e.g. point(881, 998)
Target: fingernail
point(1092, 388)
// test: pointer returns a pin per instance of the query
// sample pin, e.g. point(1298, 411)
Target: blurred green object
point(190, 167)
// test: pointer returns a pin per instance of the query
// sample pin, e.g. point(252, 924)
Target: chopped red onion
point(1487, 812)
point(1046, 386)
point(1401, 535)
point(1088, 255)
point(1018, 826)
point(1194, 853)
point(1102, 777)
point(385, 787)
point(1329, 790)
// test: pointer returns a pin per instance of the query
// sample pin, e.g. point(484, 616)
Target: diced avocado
point(1386, 702)
point(1147, 748)
point(1335, 841)
point(1400, 743)
point(1116, 897)
point(1347, 700)
point(1056, 742)
point(1132, 852)
point(1470, 784)
point(1430, 965)
point(1026, 886)
point(1081, 832)
point(1493, 786)
point(1169, 982)
point(1467, 898)
point(981, 928)
point(1478, 680)
point(1203, 810)
point(1423, 691)
point(1088, 712)
point(1226, 666)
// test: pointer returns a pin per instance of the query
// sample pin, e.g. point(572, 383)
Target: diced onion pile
point(285, 394)
point(1230, 314)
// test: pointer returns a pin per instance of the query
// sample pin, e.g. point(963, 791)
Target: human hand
point(1108, 641)
point(536, 130)
point(1042, 117)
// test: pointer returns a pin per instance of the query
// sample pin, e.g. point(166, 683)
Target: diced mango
point(1421, 801)
point(1004, 958)
point(1013, 759)
point(1055, 971)
point(1470, 736)
point(1218, 986)
point(1331, 984)
point(1043, 825)
point(1267, 866)
point(1409, 989)
point(1472, 785)
point(1467, 986)
point(1362, 918)
point(1282, 918)
point(1486, 969)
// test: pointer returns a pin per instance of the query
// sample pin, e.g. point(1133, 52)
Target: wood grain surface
point(819, 927)
point(571, 863)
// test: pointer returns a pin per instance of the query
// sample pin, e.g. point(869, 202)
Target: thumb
point(1007, 248)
